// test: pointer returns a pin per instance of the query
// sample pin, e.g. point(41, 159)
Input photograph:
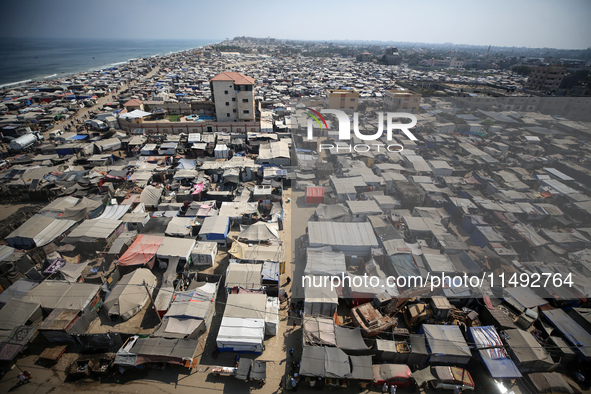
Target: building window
point(225, 92)
point(228, 114)
point(227, 103)
point(246, 111)
point(234, 110)
point(352, 99)
point(233, 98)
point(245, 100)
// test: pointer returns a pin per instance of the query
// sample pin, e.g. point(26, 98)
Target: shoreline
point(52, 76)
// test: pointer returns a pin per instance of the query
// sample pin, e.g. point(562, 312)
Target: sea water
point(23, 59)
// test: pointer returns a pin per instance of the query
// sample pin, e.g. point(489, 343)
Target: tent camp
point(142, 251)
point(38, 231)
point(17, 290)
point(129, 295)
point(446, 344)
point(138, 351)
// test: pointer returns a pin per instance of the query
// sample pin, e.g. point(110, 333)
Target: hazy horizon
point(526, 23)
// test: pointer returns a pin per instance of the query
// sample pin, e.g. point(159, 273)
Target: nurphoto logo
point(345, 129)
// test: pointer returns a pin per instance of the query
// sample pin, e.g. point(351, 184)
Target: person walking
point(385, 388)
point(393, 389)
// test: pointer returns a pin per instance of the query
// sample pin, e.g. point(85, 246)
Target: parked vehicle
point(448, 378)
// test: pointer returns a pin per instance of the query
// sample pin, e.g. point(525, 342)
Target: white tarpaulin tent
point(151, 195)
point(241, 335)
point(175, 247)
point(114, 212)
point(129, 295)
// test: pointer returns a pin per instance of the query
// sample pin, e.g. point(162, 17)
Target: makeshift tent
point(247, 276)
point(550, 382)
point(17, 313)
point(204, 253)
point(17, 290)
point(179, 227)
point(86, 207)
point(390, 372)
point(320, 300)
point(350, 340)
point(115, 212)
point(215, 228)
point(351, 238)
point(325, 362)
point(325, 263)
point(176, 247)
point(129, 295)
point(251, 306)
point(142, 251)
point(163, 350)
point(361, 368)
point(257, 252)
point(190, 313)
point(446, 344)
point(319, 331)
point(52, 294)
point(92, 230)
point(333, 213)
point(272, 316)
point(573, 332)
point(38, 231)
point(259, 231)
point(491, 350)
point(527, 353)
point(151, 196)
point(241, 335)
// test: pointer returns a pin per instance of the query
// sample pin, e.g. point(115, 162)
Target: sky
point(560, 24)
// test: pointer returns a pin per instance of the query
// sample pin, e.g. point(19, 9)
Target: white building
point(233, 95)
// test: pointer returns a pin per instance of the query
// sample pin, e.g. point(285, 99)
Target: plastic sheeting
point(241, 335)
point(446, 344)
point(92, 230)
point(325, 263)
point(179, 227)
point(142, 251)
point(151, 195)
point(114, 212)
point(129, 295)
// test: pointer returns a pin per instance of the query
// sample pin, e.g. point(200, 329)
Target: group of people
point(24, 377)
point(389, 389)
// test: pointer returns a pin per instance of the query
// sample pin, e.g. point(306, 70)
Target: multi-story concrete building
point(233, 95)
point(343, 99)
point(546, 78)
point(403, 100)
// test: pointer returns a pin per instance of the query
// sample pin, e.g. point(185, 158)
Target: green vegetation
point(173, 118)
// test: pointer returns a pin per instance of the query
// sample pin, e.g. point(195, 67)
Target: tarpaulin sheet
point(142, 250)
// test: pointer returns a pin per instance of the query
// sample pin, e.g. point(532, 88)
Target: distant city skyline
point(524, 23)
